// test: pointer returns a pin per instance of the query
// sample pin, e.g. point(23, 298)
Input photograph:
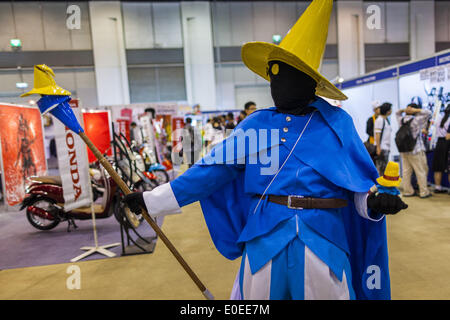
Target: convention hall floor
point(419, 245)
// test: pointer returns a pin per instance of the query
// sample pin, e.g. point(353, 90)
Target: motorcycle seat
point(48, 179)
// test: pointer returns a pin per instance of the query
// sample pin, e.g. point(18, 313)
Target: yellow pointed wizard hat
point(391, 176)
point(44, 83)
point(302, 48)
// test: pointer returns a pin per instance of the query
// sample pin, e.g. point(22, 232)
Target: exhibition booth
point(425, 82)
point(72, 208)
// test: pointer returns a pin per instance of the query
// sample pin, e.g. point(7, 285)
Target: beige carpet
point(419, 244)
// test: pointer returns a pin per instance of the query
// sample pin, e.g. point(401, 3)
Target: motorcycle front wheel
point(39, 222)
point(161, 176)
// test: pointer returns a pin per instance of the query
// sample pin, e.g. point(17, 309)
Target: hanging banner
point(22, 149)
point(147, 131)
point(127, 114)
point(165, 108)
point(177, 125)
point(124, 127)
point(73, 164)
point(97, 125)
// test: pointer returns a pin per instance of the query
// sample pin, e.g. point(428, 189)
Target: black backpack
point(404, 138)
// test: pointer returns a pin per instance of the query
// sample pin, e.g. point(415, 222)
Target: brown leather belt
point(299, 202)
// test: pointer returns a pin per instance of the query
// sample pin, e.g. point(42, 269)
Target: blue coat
point(330, 161)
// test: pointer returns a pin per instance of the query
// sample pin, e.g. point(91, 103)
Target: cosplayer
point(310, 228)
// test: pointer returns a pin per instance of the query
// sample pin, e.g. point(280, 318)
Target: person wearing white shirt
point(415, 160)
point(383, 131)
point(441, 151)
point(208, 135)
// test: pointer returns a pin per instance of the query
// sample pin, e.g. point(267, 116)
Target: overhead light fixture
point(21, 85)
point(276, 38)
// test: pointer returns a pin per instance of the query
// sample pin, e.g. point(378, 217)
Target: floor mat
point(21, 245)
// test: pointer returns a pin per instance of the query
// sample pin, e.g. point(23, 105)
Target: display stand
point(132, 247)
point(96, 249)
point(140, 244)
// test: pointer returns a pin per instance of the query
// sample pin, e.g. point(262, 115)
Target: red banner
point(124, 127)
point(22, 149)
point(177, 123)
point(97, 126)
point(127, 113)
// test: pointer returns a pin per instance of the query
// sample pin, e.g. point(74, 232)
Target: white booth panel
point(359, 105)
point(411, 86)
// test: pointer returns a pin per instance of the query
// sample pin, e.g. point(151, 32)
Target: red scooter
point(44, 202)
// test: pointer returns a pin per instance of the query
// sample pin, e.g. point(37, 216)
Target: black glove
point(135, 201)
point(385, 203)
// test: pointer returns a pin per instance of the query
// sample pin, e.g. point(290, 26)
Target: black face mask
point(291, 89)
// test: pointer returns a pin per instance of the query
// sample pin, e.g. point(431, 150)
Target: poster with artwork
point(22, 149)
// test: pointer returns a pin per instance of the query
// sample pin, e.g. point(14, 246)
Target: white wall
point(150, 25)
point(422, 29)
point(42, 26)
point(198, 54)
point(359, 105)
point(236, 23)
point(351, 21)
point(109, 53)
point(442, 21)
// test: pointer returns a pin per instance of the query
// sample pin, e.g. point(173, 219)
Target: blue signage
point(417, 66)
point(443, 59)
point(387, 74)
point(397, 71)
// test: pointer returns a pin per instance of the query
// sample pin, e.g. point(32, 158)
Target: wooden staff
point(105, 163)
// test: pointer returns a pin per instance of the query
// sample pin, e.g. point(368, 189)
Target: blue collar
point(332, 115)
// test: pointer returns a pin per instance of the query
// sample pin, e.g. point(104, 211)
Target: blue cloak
point(343, 160)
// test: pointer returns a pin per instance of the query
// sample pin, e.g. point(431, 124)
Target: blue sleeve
point(200, 181)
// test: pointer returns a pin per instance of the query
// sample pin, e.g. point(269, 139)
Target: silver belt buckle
point(290, 201)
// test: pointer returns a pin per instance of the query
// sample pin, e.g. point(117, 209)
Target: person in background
point(371, 121)
point(191, 142)
point(370, 143)
point(242, 116)
point(133, 127)
point(441, 151)
point(223, 121)
point(382, 130)
point(208, 134)
point(415, 160)
point(230, 125)
point(151, 111)
point(249, 107)
point(217, 132)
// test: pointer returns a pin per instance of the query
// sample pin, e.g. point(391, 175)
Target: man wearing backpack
point(412, 148)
